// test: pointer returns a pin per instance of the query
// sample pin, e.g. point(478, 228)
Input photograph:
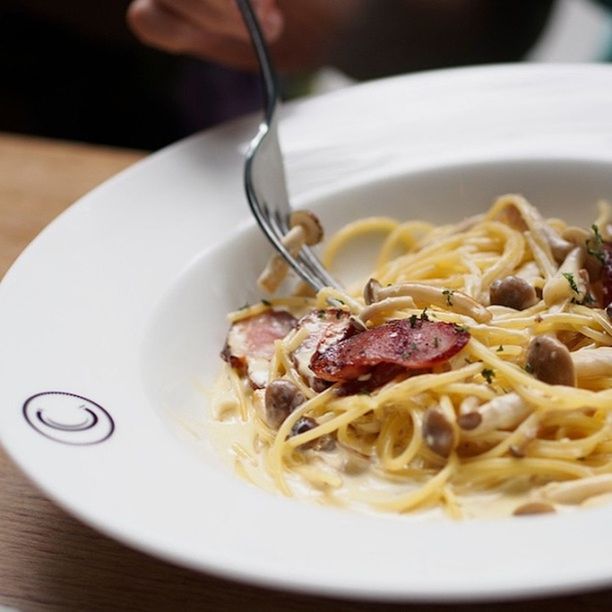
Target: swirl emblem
point(68, 418)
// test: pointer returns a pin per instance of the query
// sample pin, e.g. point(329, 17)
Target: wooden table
point(49, 560)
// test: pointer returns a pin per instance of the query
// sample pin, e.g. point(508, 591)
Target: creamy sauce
point(341, 477)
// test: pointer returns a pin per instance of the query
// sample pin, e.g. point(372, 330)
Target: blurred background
point(73, 70)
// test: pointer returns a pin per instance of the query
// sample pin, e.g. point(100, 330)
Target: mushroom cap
point(370, 291)
point(550, 361)
point(438, 432)
point(536, 507)
point(309, 222)
point(513, 292)
point(470, 420)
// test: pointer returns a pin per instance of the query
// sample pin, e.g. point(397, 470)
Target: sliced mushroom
point(559, 247)
point(513, 292)
point(517, 212)
point(468, 405)
point(502, 412)
point(370, 291)
point(324, 443)
point(470, 420)
point(426, 295)
point(531, 508)
point(305, 229)
point(282, 397)
point(310, 224)
point(591, 363)
point(576, 491)
point(378, 308)
point(438, 432)
point(509, 212)
point(567, 283)
point(550, 361)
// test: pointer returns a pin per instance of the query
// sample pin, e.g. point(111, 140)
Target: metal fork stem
point(268, 75)
point(306, 264)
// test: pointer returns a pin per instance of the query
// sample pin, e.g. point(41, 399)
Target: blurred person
point(73, 70)
point(363, 38)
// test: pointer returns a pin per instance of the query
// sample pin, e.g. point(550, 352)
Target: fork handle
point(268, 75)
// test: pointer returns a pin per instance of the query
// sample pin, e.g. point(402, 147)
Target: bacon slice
point(325, 328)
point(250, 343)
point(413, 344)
point(377, 377)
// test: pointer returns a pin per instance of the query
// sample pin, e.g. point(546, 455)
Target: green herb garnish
point(569, 277)
point(448, 293)
point(488, 375)
point(594, 246)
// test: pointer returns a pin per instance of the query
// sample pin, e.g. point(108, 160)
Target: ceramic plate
point(112, 319)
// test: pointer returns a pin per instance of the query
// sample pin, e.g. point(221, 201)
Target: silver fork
point(264, 171)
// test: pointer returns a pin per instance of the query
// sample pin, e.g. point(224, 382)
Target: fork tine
point(274, 233)
point(309, 258)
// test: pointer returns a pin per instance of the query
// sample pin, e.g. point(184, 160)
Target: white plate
point(121, 301)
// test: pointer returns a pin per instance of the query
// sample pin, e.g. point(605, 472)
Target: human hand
point(211, 29)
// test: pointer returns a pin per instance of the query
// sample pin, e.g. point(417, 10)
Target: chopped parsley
point(424, 316)
point(448, 293)
point(569, 277)
point(413, 321)
point(528, 368)
point(460, 328)
point(488, 375)
point(245, 306)
point(266, 303)
point(500, 348)
point(594, 246)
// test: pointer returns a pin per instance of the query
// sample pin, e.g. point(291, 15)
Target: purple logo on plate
point(68, 418)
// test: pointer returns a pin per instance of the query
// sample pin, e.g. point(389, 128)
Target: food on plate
point(470, 372)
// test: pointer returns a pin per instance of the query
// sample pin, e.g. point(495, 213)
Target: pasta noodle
point(520, 403)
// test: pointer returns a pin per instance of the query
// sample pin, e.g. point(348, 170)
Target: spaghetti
point(475, 367)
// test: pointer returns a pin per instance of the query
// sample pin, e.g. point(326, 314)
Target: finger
point(156, 26)
point(159, 27)
point(222, 17)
